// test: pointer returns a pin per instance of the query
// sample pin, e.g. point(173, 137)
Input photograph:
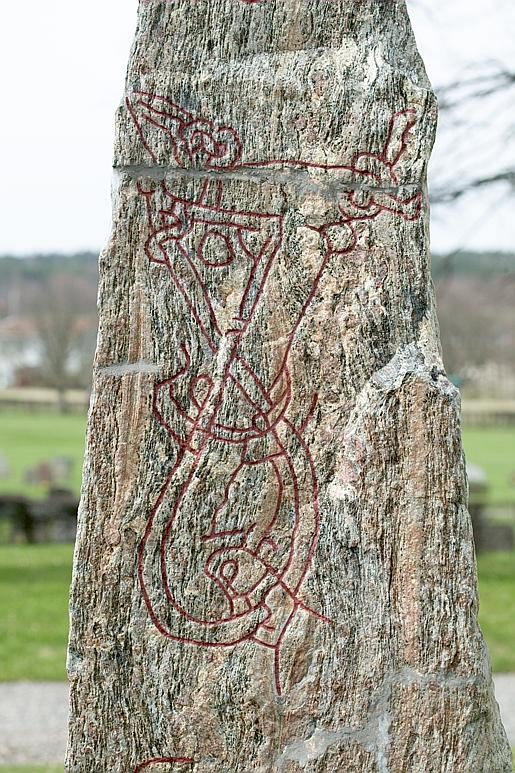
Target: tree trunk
point(275, 568)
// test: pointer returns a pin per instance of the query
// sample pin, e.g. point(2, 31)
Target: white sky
point(63, 66)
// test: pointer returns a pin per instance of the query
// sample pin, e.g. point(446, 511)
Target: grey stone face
point(274, 569)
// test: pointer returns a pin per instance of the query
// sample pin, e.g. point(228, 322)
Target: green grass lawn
point(493, 449)
point(497, 607)
point(27, 439)
point(30, 769)
point(34, 582)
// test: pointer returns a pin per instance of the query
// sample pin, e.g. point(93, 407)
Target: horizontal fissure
point(128, 368)
point(281, 174)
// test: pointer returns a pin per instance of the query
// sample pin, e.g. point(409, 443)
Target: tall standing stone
point(274, 569)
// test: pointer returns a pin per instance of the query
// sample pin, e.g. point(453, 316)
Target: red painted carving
point(252, 574)
point(192, 140)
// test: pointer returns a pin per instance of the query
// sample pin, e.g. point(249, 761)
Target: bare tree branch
point(444, 196)
point(456, 94)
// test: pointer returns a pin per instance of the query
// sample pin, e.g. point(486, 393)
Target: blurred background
point(66, 65)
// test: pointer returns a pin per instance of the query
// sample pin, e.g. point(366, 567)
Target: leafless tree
point(477, 319)
point(488, 91)
point(476, 103)
point(475, 161)
point(62, 312)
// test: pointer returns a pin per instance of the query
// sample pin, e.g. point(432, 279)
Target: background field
point(34, 580)
point(27, 439)
point(493, 449)
point(30, 769)
point(34, 583)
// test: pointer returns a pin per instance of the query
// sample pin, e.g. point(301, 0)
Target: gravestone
point(489, 534)
point(275, 567)
point(5, 468)
point(16, 519)
point(57, 515)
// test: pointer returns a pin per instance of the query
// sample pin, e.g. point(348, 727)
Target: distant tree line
point(48, 318)
point(54, 298)
point(475, 293)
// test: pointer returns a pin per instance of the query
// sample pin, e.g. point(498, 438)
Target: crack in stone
point(406, 676)
point(129, 368)
point(374, 735)
point(313, 747)
point(301, 177)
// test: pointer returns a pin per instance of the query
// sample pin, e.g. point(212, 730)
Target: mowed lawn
point(34, 583)
point(493, 449)
point(497, 608)
point(34, 580)
point(30, 769)
point(34, 586)
point(28, 439)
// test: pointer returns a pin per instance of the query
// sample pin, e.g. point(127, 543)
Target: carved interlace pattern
point(258, 578)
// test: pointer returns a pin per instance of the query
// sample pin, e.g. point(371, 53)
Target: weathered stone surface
point(274, 569)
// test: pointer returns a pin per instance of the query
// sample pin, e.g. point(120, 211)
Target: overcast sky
point(63, 66)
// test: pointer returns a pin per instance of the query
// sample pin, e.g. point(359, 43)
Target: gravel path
point(505, 694)
point(33, 719)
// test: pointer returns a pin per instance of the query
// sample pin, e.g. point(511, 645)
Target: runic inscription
point(274, 567)
point(259, 576)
